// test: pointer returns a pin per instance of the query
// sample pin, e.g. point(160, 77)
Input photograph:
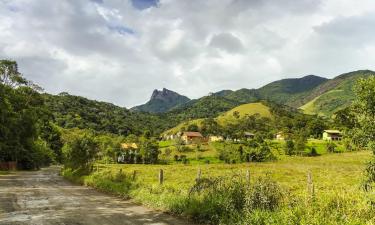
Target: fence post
point(199, 174)
point(161, 176)
point(134, 174)
point(310, 185)
point(248, 177)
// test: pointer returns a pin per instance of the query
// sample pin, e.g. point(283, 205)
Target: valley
point(275, 155)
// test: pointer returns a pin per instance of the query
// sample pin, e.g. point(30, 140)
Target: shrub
point(226, 200)
point(313, 152)
point(289, 147)
point(331, 147)
point(264, 194)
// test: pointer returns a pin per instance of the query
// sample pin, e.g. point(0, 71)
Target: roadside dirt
point(43, 197)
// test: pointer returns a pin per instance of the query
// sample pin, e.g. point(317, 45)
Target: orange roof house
point(192, 137)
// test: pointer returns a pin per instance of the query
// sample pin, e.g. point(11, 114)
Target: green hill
point(243, 110)
point(208, 106)
point(70, 111)
point(333, 95)
point(283, 91)
point(228, 116)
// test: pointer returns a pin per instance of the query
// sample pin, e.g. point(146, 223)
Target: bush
point(331, 147)
point(264, 194)
point(313, 152)
point(226, 201)
point(289, 147)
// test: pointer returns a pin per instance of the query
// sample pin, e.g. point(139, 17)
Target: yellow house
point(129, 145)
point(332, 135)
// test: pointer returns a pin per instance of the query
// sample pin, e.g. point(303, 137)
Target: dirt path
point(43, 197)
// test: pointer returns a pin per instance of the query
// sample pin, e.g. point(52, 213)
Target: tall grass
point(276, 194)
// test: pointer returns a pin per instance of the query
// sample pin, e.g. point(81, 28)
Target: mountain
point(311, 94)
point(284, 90)
point(162, 101)
point(281, 91)
point(333, 95)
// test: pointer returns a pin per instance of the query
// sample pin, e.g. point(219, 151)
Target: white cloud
point(110, 50)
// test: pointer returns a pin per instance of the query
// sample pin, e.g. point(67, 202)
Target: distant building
point(332, 135)
point(216, 138)
point(280, 136)
point(192, 137)
point(249, 135)
point(129, 145)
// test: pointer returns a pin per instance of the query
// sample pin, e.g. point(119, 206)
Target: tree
point(236, 114)
point(193, 127)
point(80, 150)
point(9, 74)
point(364, 111)
point(210, 127)
point(149, 150)
point(300, 141)
point(22, 114)
point(289, 147)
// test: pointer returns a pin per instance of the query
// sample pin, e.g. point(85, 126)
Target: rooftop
point(192, 134)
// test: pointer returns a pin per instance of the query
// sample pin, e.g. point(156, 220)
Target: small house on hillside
point(332, 135)
point(216, 138)
point(129, 146)
point(249, 135)
point(192, 137)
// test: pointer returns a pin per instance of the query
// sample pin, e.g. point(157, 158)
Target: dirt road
point(43, 197)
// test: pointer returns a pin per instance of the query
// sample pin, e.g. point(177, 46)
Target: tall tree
point(364, 109)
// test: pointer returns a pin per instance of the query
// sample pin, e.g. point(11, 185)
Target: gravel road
point(42, 197)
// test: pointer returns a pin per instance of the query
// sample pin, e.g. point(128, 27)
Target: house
point(280, 136)
point(129, 145)
point(192, 137)
point(216, 138)
point(332, 135)
point(248, 135)
point(169, 137)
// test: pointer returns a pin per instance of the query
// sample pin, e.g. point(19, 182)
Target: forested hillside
point(74, 111)
point(333, 95)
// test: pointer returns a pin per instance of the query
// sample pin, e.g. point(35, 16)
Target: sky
point(119, 51)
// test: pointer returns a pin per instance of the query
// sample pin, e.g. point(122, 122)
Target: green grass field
point(245, 109)
point(337, 180)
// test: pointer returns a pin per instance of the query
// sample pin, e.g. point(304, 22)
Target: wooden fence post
point(199, 174)
point(310, 185)
point(134, 174)
point(248, 177)
point(161, 176)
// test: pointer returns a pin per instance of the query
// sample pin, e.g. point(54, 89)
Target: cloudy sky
point(120, 50)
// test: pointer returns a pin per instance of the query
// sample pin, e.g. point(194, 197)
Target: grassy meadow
point(337, 197)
